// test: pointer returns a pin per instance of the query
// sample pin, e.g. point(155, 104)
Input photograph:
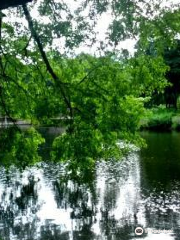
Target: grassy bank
point(161, 119)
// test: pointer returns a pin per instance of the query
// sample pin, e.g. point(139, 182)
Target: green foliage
point(99, 100)
point(150, 73)
point(176, 122)
point(105, 102)
point(103, 112)
point(172, 58)
point(160, 119)
point(19, 148)
point(168, 94)
point(159, 29)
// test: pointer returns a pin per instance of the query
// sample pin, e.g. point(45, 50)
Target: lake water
point(143, 190)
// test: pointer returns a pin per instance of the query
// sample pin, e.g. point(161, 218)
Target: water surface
point(142, 190)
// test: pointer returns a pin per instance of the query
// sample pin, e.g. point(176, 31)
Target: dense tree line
point(169, 96)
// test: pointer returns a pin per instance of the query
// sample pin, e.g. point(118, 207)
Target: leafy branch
point(57, 80)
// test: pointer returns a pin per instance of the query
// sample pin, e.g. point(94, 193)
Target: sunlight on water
point(37, 204)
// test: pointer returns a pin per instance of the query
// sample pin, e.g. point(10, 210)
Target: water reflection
point(41, 203)
point(36, 205)
point(160, 188)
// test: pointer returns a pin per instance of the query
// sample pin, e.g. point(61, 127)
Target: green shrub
point(176, 123)
point(159, 119)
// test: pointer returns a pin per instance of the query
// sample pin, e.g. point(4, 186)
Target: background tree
point(170, 93)
point(172, 59)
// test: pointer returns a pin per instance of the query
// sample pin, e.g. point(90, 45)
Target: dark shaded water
point(142, 190)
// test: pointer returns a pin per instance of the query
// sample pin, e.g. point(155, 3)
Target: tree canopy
point(98, 98)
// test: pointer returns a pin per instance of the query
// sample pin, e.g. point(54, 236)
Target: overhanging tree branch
point(37, 40)
point(57, 80)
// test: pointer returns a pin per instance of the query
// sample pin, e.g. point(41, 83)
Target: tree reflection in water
point(75, 210)
point(45, 201)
